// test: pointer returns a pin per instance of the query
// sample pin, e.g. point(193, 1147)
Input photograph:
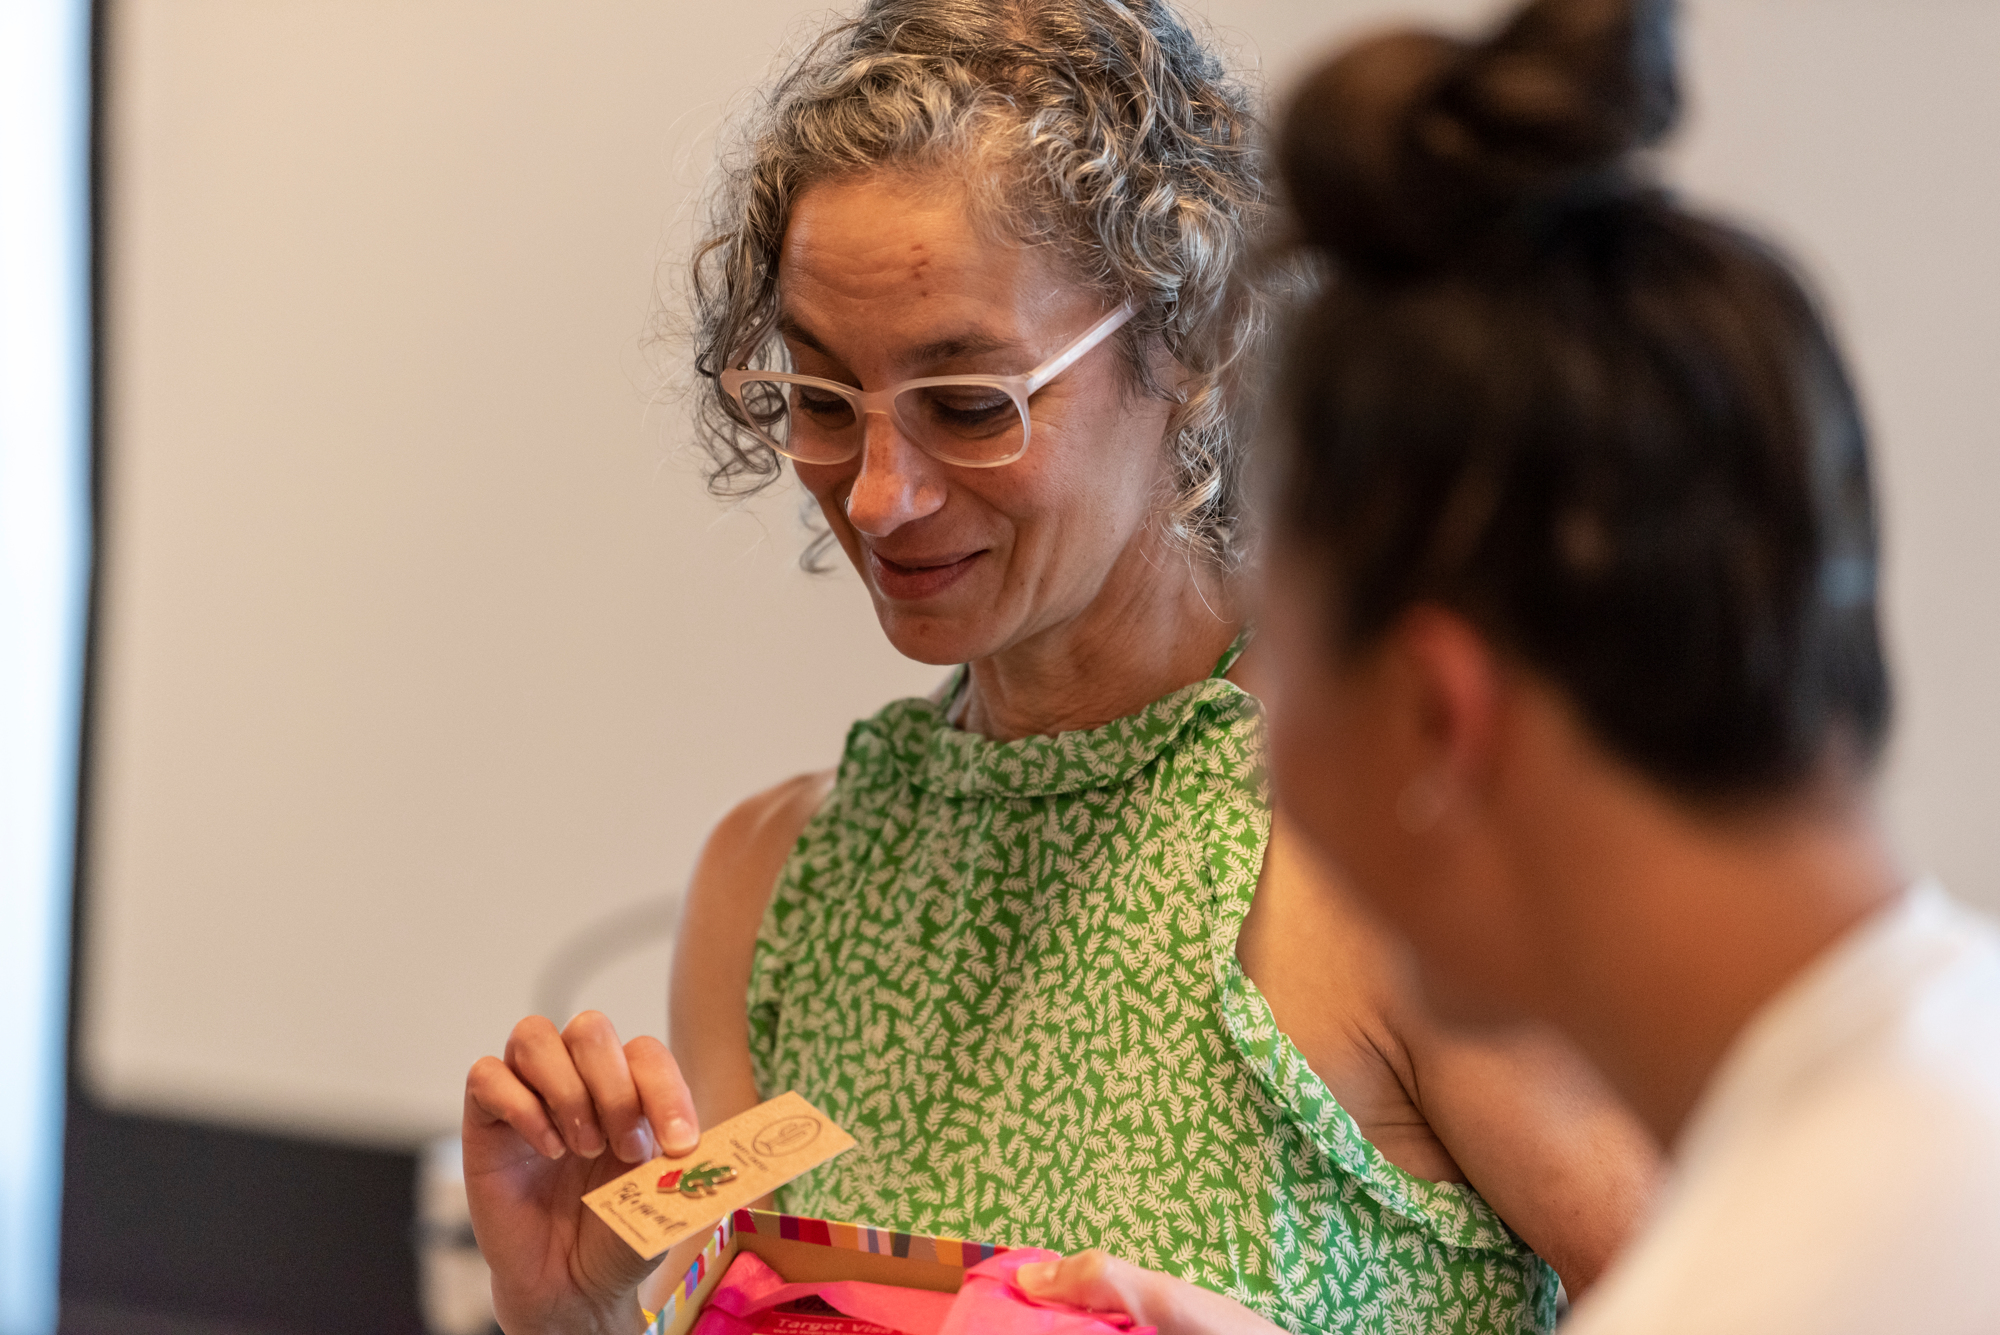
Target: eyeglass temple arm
point(1069, 356)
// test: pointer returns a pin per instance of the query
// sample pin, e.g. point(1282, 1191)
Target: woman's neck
point(1137, 641)
point(1668, 935)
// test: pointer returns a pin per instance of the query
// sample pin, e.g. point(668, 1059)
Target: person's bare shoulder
point(708, 1018)
point(749, 845)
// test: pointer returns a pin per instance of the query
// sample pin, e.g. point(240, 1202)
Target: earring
point(1421, 804)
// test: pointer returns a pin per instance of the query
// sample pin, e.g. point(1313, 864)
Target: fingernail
point(588, 1143)
point(1036, 1275)
point(553, 1148)
point(680, 1136)
point(636, 1145)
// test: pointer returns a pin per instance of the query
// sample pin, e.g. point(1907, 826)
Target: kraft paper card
point(667, 1200)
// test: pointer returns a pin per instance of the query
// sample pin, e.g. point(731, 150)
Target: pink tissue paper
point(754, 1300)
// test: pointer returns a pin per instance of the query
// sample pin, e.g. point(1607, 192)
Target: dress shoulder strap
point(1232, 653)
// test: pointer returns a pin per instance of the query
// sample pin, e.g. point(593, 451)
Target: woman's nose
point(897, 482)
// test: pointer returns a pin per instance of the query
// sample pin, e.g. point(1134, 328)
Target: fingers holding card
point(665, 1201)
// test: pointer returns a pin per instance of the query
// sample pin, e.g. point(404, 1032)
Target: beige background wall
point(422, 648)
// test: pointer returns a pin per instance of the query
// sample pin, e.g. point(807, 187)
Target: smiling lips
point(919, 577)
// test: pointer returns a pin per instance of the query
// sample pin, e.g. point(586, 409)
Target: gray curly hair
point(1101, 127)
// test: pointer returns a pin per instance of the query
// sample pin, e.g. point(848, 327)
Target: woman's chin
point(1467, 1002)
point(1472, 981)
point(937, 636)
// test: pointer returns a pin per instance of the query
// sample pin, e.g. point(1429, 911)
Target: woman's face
point(884, 279)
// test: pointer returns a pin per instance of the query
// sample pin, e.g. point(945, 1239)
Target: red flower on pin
point(671, 1181)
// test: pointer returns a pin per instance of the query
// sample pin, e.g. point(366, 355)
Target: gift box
point(805, 1250)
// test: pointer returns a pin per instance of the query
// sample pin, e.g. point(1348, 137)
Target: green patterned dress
point(1009, 969)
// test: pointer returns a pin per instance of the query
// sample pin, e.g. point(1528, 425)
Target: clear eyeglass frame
point(837, 447)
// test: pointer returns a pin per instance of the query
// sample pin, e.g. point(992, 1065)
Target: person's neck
point(1143, 637)
point(1672, 930)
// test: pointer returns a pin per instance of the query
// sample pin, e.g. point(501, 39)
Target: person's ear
point(1453, 679)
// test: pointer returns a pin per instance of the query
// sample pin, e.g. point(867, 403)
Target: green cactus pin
point(700, 1180)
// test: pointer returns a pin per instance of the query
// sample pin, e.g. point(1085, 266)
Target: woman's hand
point(564, 1113)
point(1101, 1282)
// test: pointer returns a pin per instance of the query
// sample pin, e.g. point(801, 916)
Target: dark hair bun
point(1406, 148)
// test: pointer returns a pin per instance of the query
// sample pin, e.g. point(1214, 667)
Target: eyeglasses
point(976, 421)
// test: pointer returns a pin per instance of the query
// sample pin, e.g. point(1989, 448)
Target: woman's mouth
point(918, 577)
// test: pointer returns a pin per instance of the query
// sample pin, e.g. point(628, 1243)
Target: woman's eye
point(828, 409)
point(970, 410)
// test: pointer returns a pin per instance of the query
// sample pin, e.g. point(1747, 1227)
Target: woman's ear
point(1453, 681)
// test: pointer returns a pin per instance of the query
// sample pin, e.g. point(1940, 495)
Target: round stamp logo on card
point(786, 1136)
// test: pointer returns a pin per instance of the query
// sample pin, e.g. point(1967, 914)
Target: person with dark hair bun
point(1570, 592)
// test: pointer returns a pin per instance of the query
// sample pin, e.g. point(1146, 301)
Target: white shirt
point(1842, 1170)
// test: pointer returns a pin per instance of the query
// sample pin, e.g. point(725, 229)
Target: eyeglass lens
point(960, 423)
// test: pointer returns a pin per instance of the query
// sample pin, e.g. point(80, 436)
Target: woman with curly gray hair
point(1037, 942)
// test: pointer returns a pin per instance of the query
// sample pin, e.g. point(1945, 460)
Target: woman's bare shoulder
point(740, 863)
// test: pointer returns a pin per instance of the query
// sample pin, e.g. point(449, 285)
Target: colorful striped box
point(804, 1249)
point(712, 1261)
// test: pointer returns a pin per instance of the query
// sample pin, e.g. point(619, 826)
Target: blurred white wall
point(423, 648)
